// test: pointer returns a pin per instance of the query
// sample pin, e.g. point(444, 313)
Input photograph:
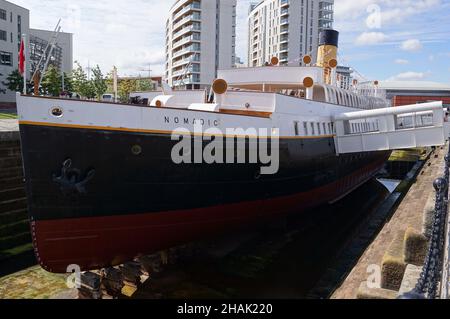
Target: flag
point(22, 58)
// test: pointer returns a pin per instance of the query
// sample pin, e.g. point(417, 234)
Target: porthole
point(57, 111)
point(136, 150)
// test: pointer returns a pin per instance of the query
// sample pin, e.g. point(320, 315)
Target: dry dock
point(286, 262)
point(389, 246)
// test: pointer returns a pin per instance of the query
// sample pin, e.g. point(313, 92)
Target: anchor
point(70, 181)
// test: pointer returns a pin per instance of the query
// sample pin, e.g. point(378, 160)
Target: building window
point(19, 24)
point(3, 14)
point(5, 58)
point(3, 35)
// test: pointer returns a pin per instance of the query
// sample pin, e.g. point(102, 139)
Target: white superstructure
point(287, 29)
point(200, 39)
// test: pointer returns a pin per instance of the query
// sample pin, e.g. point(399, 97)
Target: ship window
point(297, 129)
point(324, 128)
point(305, 126)
point(318, 129)
point(313, 130)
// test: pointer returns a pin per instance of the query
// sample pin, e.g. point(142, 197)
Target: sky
point(380, 39)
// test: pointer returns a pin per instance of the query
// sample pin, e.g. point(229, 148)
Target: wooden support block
point(131, 272)
point(393, 264)
point(151, 264)
point(146, 263)
point(90, 284)
point(112, 282)
point(129, 290)
point(89, 280)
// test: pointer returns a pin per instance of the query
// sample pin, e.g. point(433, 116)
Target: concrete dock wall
point(15, 238)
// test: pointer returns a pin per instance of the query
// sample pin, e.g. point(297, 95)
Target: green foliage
point(99, 83)
point(68, 83)
point(125, 88)
point(144, 85)
point(2, 91)
point(80, 82)
point(14, 81)
point(51, 82)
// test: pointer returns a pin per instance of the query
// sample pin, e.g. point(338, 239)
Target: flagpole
point(24, 39)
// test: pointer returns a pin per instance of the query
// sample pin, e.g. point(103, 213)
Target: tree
point(51, 82)
point(80, 81)
point(99, 83)
point(90, 90)
point(14, 81)
point(125, 88)
point(68, 83)
point(144, 85)
point(2, 91)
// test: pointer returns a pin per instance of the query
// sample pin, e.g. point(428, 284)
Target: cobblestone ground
point(409, 213)
point(32, 283)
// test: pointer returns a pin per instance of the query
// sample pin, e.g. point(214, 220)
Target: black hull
point(124, 183)
point(109, 205)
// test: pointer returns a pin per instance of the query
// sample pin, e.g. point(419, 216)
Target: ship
point(104, 186)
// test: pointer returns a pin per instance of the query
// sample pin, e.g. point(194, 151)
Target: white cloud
point(410, 76)
point(401, 61)
point(412, 45)
point(371, 38)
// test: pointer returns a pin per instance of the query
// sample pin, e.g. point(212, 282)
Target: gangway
point(393, 128)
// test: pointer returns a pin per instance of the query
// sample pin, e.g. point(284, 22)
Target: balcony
point(185, 30)
point(190, 49)
point(284, 3)
point(284, 30)
point(195, 37)
point(284, 11)
point(190, 7)
point(284, 21)
point(192, 69)
point(193, 17)
point(187, 60)
point(188, 80)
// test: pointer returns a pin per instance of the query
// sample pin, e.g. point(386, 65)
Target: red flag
point(22, 58)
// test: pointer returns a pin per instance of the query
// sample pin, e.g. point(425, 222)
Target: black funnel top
point(329, 37)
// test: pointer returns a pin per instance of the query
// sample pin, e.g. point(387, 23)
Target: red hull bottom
point(93, 243)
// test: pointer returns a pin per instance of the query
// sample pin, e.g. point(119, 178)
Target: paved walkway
point(9, 130)
point(408, 214)
point(9, 125)
point(32, 283)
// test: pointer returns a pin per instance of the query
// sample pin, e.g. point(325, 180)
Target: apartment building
point(14, 21)
point(200, 39)
point(287, 29)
